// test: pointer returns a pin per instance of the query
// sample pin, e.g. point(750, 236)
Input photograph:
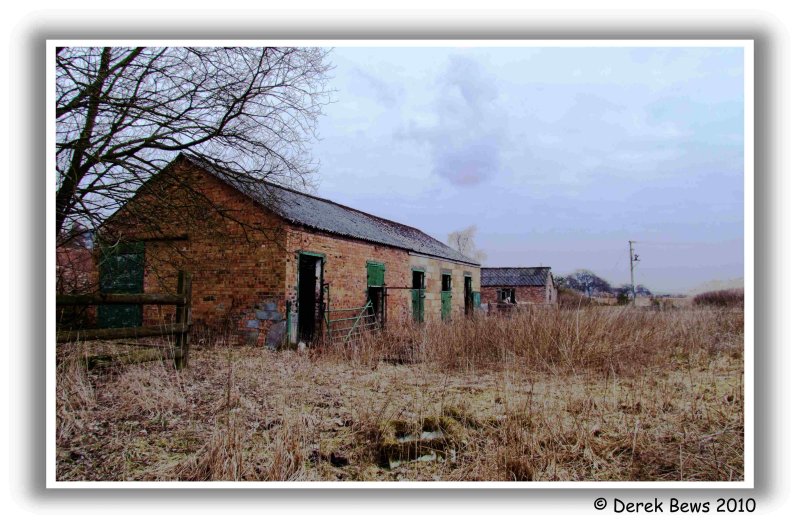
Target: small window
point(506, 295)
point(447, 282)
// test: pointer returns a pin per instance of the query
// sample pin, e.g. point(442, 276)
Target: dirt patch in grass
point(528, 407)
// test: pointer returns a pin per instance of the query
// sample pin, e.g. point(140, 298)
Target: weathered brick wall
point(244, 260)
point(346, 271)
point(76, 270)
point(532, 294)
point(524, 294)
point(233, 248)
point(433, 284)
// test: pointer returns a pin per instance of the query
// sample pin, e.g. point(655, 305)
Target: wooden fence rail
point(121, 298)
point(180, 329)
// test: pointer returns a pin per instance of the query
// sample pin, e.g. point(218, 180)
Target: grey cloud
point(467, 164)
point(468, 77)
point(386, 93)
point(468, 129)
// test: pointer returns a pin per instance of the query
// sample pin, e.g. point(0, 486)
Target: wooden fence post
point(180, 328)
point(183, 315)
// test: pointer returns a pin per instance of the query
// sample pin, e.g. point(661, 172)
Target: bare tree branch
point(464, 242)
point(123, 114)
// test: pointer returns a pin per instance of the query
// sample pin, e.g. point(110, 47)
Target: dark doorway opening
point(309, 297)
point(375, 296)
point(468, 298)
point(375, 293)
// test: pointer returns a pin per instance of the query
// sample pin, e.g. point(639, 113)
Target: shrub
point(571, 299)
point(720, 298)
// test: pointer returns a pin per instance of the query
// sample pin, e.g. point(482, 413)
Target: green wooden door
point(418, 304)
point(447, 304)
point(447, 295)
point(121, 271)
point(418, 295)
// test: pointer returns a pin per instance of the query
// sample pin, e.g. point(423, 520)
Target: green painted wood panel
point(447, 304)
point(121, 271)
point(375, 274)
point(418, 305)
point(476, 298)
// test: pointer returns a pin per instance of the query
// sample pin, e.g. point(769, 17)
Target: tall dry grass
point(621, 340)
point(604, 393)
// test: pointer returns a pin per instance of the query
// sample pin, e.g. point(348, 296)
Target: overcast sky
point(559, 156)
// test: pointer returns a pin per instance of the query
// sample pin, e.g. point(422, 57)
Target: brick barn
point(258, 251)
point(518, 286)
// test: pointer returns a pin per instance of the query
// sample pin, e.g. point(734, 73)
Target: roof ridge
point(213, 167)
point(516, 267)
point(193, 157)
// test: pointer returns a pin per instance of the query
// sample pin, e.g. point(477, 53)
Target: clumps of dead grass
point(600, 339)
point(75, 394)
point(608, 394)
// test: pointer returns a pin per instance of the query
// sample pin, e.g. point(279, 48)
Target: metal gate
point(342, 325)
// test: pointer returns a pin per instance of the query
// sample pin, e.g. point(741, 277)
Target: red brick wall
point(532, 294)
point(244, 260)
point(234, 248)
point(524, 294)
point(76, 270)
point(346, 271)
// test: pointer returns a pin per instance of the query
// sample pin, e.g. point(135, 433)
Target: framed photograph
point(400, 264)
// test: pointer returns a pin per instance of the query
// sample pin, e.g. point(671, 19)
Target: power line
point(668, 244)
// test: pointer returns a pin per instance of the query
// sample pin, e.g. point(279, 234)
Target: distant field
point(604, 393)
point(647, 300)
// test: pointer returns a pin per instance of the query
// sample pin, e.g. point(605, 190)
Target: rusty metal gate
point(343, 326)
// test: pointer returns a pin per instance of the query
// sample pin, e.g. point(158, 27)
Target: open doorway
point(375, 292)
point(468, 298)
point(309, 296)
point(418, 295)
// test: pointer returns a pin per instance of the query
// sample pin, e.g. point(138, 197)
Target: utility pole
point(634, 258)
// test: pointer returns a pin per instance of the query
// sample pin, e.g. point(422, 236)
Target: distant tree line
point(590, 284)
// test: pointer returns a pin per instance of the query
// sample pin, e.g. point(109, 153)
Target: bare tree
point(463, 241)
point(122, 114)
point(586, 281)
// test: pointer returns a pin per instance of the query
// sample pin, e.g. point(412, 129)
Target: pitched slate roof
point(514, 276)
point(324, 215)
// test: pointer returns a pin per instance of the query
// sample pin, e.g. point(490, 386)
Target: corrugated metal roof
point(514, 276)
point(325, 215)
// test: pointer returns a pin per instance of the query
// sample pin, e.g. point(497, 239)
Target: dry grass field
point(597, 394)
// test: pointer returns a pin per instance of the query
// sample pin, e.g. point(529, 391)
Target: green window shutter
point(121, 271)
point(375, 274)
point(476, 298)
